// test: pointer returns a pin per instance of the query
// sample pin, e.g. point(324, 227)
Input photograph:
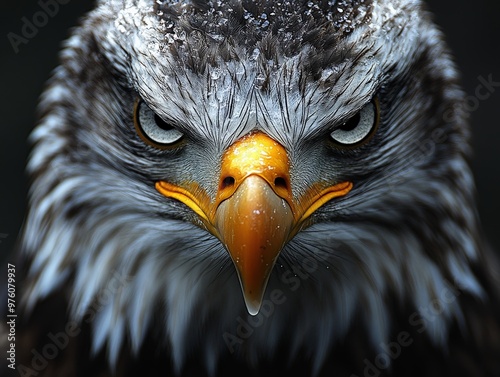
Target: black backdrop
point(472, 30)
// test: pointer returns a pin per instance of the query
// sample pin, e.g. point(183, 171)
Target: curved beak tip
point(253, 237)
point(253, 307)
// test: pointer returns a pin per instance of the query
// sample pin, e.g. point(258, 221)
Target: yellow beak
point(254, 213)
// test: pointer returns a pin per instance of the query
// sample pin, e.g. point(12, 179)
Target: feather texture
point(391, 274)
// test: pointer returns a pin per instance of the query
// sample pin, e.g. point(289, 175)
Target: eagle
point(254, 188)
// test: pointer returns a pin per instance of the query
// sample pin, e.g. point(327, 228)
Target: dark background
point(471, 28)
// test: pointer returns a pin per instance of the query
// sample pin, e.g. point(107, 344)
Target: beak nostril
point(227, 182)
point(280, 182)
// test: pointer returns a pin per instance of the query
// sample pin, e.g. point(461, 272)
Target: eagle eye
point(359, 128)
point(153, 129)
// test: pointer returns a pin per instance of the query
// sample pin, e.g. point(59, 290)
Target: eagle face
point(298, 170)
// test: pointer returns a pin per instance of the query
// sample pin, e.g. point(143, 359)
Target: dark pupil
point(162, 124)
point(351, 124)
